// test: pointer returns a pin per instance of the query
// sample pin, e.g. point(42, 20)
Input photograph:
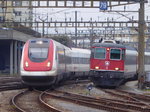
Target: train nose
point(32, 66)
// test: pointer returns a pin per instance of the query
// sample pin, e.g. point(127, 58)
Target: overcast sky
point(94, 13)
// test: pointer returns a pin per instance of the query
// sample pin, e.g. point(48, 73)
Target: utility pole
point(76, 28)
point(65, 22)
point(141, 42)
point(43, 23)
point(91, 34)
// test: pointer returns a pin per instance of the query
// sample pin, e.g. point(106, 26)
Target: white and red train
point(46, 62)
point(111, 63)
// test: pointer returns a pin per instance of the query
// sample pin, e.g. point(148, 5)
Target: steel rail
point(53, 109)
point(128, 96)
point(83, 102)
point(125, 105)
point(105, 99)
point(14, 99)
point(137, 96)
point(10, 86)
point(121, 95)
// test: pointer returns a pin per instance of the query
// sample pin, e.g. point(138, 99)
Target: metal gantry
point(63, 3)
point(72, 24)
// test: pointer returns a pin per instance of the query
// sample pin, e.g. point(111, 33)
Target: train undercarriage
point(107, 79)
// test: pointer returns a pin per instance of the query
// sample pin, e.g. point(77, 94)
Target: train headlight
point(116, 68)
point(96, 67)
point(48, 64)
point(26, 64)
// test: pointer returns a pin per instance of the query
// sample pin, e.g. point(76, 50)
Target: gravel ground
point(30, 100)
point(6, 96)
point(132, 86)
point(68, 107)
point(82, 89)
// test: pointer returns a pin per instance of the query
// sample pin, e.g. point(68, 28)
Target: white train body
point(45, 62)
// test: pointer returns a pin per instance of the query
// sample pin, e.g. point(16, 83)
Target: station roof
point(20, 34)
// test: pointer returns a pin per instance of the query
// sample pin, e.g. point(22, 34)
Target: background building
point(15, 14)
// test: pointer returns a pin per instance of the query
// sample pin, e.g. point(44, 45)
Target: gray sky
point(94, 13)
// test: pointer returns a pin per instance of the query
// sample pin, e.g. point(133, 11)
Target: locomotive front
point(107, 64)
point(37, 62)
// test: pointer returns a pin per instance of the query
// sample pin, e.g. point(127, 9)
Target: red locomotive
point(112, 63)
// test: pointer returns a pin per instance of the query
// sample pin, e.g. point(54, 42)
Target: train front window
point(100, 53)
point(115, 54)
point(38, 54)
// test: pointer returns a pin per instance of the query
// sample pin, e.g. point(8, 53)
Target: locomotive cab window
point(115, 54)
point(38, 54)
point(100, 53)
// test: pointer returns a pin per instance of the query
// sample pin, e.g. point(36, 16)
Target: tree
point(65, 40)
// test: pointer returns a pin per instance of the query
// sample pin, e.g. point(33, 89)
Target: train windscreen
point(38, 54)
point(100, 53)
point(115, 54)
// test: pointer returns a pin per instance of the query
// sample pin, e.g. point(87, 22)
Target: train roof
point(113, 45)
point(108, 45)
point(36, 40)
point(80, 50)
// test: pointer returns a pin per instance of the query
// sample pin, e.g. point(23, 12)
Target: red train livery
point(111, 64)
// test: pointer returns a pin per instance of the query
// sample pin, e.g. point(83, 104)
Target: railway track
point(41, 100)
point(129, 102)
point(138, 98)
point(50, 107)
point(142, 97)
point(13, 83)
point(10, 83)
point(4, 79)
point(28, 101)
point(101, 103)
point(12, 86)
point(76, 81)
